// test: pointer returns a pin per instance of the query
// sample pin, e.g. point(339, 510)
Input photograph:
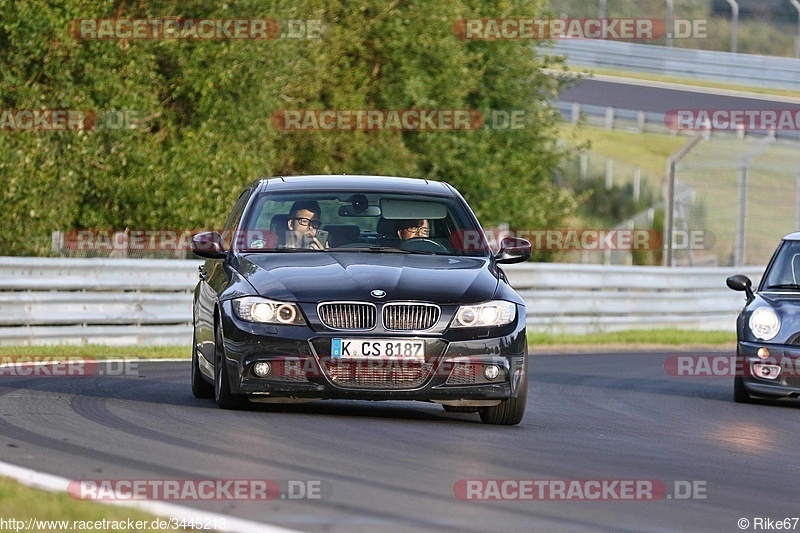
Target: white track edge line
point(41, 480)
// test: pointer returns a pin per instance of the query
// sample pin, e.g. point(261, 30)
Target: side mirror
point(513, 250)
point(740, 282)
point(209, 245)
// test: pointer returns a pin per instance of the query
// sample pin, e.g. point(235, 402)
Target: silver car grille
point(351, 316)
point(410, 316)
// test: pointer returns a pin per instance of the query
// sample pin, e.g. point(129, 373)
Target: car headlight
point(764, 323)
point(486, 315)
point(264, 311)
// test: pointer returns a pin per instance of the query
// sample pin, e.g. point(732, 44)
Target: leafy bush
point(205, 109)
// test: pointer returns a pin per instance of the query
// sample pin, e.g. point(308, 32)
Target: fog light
point(491, 372)
point(763, 353)
point(766, 371)
point(261, 369)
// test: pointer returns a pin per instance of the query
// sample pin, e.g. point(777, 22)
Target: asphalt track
point(393, 466)
point(638, 96)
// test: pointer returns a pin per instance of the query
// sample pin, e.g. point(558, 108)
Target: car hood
point(316, 276)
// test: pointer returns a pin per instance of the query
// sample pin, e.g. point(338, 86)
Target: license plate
point(366, 348)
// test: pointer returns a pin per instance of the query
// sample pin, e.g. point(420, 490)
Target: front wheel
point(222, 386)
point(508, 412)
point(740, 394)
point(200, 387)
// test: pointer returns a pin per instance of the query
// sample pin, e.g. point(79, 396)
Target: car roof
point(347, 182)
point(793, 236)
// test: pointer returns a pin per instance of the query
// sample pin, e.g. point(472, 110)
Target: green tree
point(205, 110)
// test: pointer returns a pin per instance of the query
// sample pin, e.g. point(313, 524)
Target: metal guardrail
point(100, 301)
point(574, 298)
point(740, 69)
point(149, 302)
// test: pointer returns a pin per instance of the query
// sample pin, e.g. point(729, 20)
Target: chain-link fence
point(739, 197)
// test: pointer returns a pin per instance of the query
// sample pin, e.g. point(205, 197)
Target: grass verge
point(649, 151)
point(21, 503)
point(671, 337)
point(98, 351)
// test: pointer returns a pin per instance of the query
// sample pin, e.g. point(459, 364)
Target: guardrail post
point(796, 5)
point(734, 25)
point(797, 201)
point(630, 225)
point(584, 165)
point(641, 120)
point(740, 223)
point(609, 173)
point(609, 118)
point(57, 242)
point(576, 113)
point(670, 19)
point(637, 183)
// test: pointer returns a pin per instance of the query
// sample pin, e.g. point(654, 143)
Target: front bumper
point(301, 365)
point(782, 365)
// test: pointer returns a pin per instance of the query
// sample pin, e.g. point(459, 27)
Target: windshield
point(784, 272)
point(361, 221)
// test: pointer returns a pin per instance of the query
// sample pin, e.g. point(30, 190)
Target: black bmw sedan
point(358, 287)
point(768, 329)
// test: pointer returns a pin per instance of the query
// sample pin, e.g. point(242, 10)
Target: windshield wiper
point(376, 248)
point(794, 286)
point(273, 250)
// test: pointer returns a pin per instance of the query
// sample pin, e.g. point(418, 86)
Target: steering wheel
point(423, 244)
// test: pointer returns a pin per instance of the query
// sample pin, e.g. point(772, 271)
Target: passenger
point(409, 229)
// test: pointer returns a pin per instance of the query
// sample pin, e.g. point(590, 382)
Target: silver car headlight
point(764, 323)
point(264, 311)
point(486, 315)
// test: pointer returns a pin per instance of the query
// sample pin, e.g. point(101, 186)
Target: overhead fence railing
point(149, 302)
point(738, 69)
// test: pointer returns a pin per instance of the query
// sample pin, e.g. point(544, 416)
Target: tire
point(455, 409)
point(222, 386)
point(200, 387)
point(508, 412)
point(740, 395)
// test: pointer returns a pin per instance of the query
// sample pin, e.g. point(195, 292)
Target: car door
point(215, 276)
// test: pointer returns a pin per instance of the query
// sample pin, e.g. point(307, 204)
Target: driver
point(409, 229)
point(303, 225)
